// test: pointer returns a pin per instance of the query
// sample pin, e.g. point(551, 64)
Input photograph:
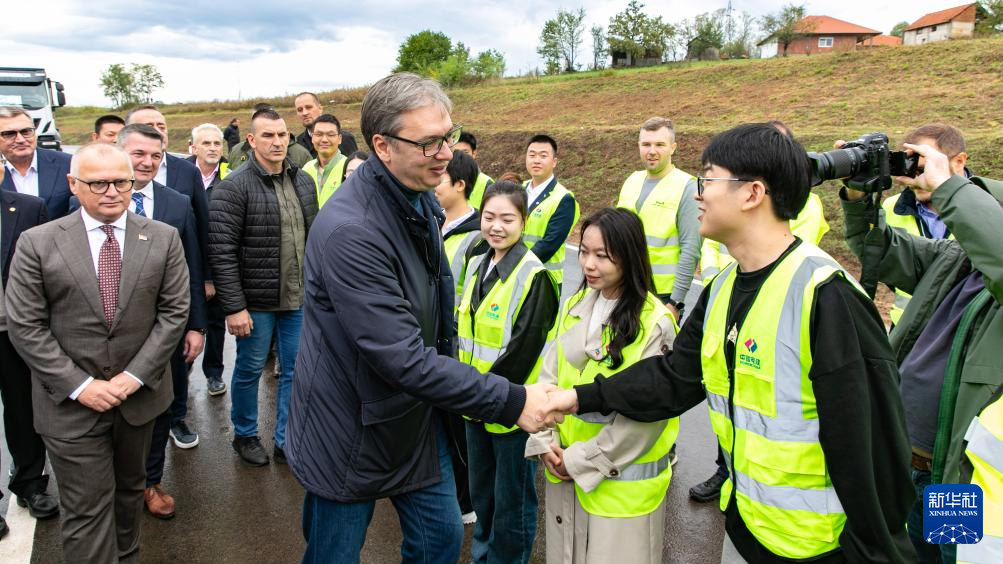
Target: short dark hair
point(311, 94)
point(128, 115)
point(761, 151)
point(264, 114)
point(463, 167)
point(109, 118)
point(139, 129)
point(261, 106)
point(469, 139)
point(949, 139)
point(328, 118)
point(541, 138)
point(514, 192)
point(361, 155)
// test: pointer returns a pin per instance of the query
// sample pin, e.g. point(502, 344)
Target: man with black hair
point(106, 129)
point(790, 354)
point(309, 108)
point(553, 209)
point(328, 169)
point(468, 144)
point(232, 133)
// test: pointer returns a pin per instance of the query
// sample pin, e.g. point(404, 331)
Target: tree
point(599, 51)
point(560, 39)
point(422, 51)
point(991, 21)
point(638, 35)
point(146, 79)
point(704, 32)
point(741, 43)
point(117, 83)
point(899, 29)
point(785, 25)
point(489, 64)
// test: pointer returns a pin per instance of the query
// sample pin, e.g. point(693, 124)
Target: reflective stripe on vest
point(985, 451)
point(333, 180)
point(456, 253)
point(477, 194)
point(769, 433)
point(484, 335)
point(539, 220)
point(658, 214)
point(637, 488)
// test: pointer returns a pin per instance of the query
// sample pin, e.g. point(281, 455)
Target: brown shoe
point(158, 502)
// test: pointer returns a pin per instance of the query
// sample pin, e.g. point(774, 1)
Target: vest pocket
point(755, 390)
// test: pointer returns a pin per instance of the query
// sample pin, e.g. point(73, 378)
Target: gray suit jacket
point(57, 322)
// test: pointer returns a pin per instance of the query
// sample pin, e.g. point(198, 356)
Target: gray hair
point(138, 129)
point(392, 96)
point(205, 127)
point(98, 150)
point(13, 111)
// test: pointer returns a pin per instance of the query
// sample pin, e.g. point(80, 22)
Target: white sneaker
point(469, 518)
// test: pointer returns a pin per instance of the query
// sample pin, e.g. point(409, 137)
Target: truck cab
point(37, 94)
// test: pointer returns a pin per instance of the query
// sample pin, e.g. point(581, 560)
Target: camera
point(865, 164)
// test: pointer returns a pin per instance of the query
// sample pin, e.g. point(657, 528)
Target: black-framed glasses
point(702, 179)
point(431, 147)
point(11, 134)
point(101, 186)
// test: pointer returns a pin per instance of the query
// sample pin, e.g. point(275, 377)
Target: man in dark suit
point(20, 212)
point(96, 302)
point(30, 170)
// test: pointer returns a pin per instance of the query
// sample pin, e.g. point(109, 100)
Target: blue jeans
point(429, 518)
point(252, 352)
point(927, 553)
point(503, 491)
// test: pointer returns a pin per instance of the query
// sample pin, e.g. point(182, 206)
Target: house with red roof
point(953, 23)
point(881, 41)
point(818, 34)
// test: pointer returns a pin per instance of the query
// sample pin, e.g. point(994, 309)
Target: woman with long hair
point(607, 475)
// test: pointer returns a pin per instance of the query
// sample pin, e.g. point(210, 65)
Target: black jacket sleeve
point(529, 333)
point(226, 231)
point(558, 229)
point(198, 316)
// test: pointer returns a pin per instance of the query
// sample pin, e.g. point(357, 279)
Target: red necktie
point(109, 273)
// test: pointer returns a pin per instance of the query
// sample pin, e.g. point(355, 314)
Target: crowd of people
point(428, 349)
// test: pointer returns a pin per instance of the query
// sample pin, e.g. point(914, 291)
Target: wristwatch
point(680, 306)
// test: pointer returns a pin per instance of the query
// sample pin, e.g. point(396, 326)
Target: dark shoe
point(40, 505)
point(158, 502)
point(183, 436)
point(250, 450)
point(4, 529)
point(279, 455)
point(216, 386)
point(710, 489)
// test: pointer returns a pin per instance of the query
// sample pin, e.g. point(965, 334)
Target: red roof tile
point(881, 40)
point(825, 25)
point(940, 17)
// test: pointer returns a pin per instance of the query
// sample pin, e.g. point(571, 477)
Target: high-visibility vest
point(484, 336)
point(658, 214)
point(224, 170)
point(477, 194)
point(457, 245)
point(810, 225)
point(768, 430)
point(638, 488)
point(985, 451)
point(536, 227)
point(333, 180)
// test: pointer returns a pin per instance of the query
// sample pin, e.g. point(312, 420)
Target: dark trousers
point(101, 476)
point(162, 424)
point(215, 335)
point(26, 447)
point(456, 430)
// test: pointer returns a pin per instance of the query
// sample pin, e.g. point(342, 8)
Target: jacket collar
point(506, 267)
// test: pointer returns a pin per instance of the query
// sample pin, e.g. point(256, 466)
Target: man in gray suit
point(96, 303)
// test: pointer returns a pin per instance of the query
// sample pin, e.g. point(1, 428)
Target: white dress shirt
point(27, 184)
point(96, 238)
point(450, 225)
point(207, 180)
point(533, 192)
point(147, 193)
point(161, 176)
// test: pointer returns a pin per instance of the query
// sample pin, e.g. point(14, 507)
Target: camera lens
point(840, 163)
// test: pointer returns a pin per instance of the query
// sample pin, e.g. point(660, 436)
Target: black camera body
point(866, 164)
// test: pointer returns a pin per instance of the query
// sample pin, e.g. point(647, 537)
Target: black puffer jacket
point(245, 233)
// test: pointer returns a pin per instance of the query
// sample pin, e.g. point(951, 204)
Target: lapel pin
point(142, 237)
point(12, 209)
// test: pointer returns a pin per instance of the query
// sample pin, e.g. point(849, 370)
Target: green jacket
point(928, 269)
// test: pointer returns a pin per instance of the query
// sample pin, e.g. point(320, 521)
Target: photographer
point(947, 342)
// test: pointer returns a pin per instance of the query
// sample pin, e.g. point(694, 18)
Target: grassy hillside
point(595, 115)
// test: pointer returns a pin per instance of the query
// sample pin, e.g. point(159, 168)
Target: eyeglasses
point(702, 179)
point(431, 147)
point(326, 134)
point(101, 186)
point(11, 134)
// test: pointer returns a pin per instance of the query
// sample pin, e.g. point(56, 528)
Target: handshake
point(546, 406)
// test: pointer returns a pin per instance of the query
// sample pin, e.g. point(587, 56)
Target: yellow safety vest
point(658, 214)
point(985, 451)
point(224, 170)
point(769, 429)
point(536, 227)
point(484, 336)
point(810, 225)
point(457, 245)
point(477, 194)
point(333, 180)
point(639, 488)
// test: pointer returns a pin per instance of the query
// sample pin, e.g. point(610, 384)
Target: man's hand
point(210, 290)
point(239, 324)
point(554, 461)
point(101, 395)
point(127, 384)
point(936, 169)
point(193, 345)
point(536, 403)
point(673, 311)
point(561, 402)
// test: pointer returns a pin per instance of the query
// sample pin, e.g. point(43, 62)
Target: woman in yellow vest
point(504, 321)
point(607, 475)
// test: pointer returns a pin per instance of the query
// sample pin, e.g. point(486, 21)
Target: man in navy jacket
point(30, 170)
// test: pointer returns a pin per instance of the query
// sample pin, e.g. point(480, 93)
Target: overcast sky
point(227, 49)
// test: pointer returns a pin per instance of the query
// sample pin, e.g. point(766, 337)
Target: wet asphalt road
point(229, 512)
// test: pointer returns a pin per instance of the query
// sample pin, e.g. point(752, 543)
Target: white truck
point(39, 95)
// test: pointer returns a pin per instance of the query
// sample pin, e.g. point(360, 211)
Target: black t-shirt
point(861, 421)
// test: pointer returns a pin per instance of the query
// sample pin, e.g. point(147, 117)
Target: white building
point(953, 23)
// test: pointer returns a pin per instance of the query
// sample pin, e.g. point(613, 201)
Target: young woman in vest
point(607, 475)
point(505, 319)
